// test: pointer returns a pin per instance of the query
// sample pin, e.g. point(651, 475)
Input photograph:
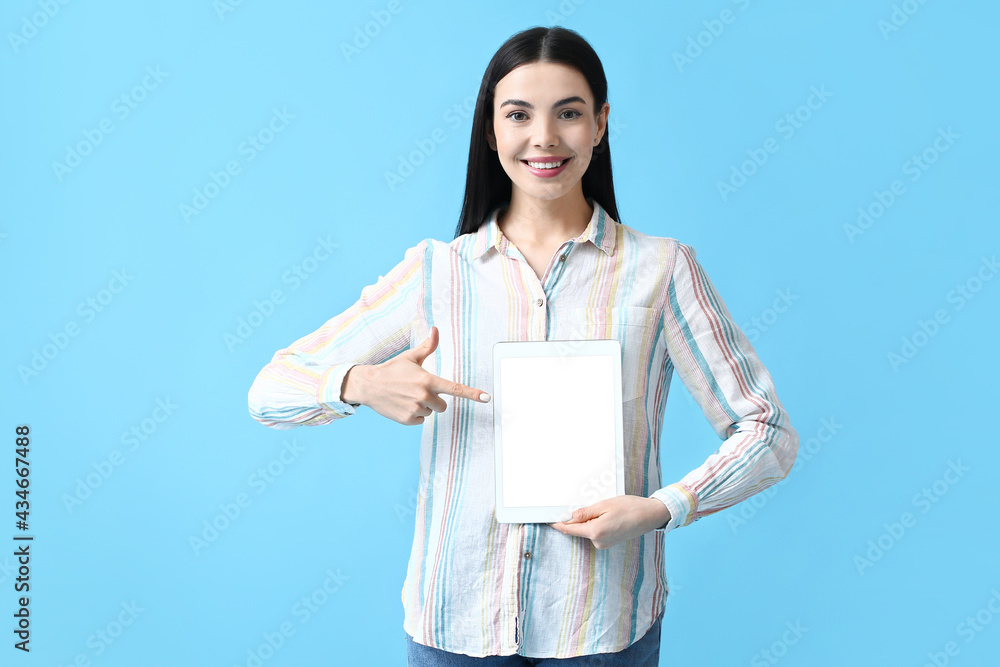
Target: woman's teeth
point(545, 165)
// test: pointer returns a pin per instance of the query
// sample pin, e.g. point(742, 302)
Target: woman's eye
point(520, 115)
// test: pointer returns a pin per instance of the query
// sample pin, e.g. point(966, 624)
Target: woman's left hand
point(613, 520)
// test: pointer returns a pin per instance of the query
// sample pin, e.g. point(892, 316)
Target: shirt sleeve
point(302, 383)
point(719, 366)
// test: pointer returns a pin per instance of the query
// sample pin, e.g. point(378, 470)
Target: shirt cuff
point(681, 504)
point(330, 388)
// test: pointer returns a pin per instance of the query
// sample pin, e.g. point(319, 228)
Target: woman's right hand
point(402, 390)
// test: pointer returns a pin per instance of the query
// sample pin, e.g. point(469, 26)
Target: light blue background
point(345, 503)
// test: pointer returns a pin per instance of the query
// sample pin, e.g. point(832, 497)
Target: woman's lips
point(547, 173)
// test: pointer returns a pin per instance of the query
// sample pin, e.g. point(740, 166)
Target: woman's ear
point(491, 138)
point(602, 122)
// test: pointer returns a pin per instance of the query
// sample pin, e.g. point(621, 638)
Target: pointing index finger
point(443, 386)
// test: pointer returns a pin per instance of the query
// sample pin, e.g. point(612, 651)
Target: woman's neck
point(544, 222)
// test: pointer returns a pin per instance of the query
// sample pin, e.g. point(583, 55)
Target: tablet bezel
point(553, 348)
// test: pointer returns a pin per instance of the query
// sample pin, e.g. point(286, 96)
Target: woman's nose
point(545, 133)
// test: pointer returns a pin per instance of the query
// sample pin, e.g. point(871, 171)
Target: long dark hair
point(486, 183)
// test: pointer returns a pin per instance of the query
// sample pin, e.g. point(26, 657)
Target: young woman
point(539, 254)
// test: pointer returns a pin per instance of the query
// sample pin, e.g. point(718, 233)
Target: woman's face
point(543, 112)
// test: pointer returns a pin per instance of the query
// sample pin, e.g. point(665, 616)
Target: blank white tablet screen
point(557, 425)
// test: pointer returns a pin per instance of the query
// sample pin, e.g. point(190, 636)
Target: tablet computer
point(557, 426)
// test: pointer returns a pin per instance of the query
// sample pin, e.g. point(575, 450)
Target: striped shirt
point(478, 587)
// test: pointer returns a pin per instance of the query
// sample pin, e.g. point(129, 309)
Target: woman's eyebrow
point(522, 103)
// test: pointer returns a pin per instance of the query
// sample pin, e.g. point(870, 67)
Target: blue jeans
point(643, 653)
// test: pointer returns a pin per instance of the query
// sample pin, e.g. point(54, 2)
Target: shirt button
point(562, 258)
point(539, 302)
point(527, 554)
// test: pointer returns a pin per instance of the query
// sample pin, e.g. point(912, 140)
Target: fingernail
point(566, 516)
point(484, 397)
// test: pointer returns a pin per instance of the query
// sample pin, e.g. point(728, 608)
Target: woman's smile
point(546, 167)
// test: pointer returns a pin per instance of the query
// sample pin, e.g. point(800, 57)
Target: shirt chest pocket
point(632, 326)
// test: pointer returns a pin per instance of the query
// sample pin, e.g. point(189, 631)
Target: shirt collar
point(600, 231)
